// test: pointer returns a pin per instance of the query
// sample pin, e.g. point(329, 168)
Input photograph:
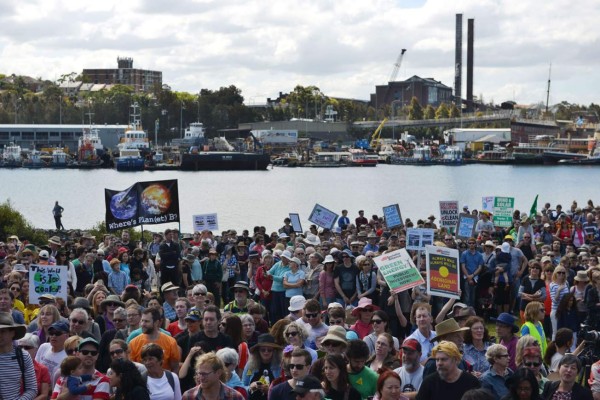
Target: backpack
point(171, 380)
point(21, 362)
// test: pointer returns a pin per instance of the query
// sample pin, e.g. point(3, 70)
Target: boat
point(497, 156)
point(130, 159)
point(362, 158)
point(287, 160)
point(157, 162)
point(135, 137)
point(328, 159)
point(591, 160)
point(88, 155)
point(34, 160)
point(193, 136)
point(421, 155)
point(11, 157)
point(91, 136)
point(553, 157)
point(60, 159)
point(451, 155)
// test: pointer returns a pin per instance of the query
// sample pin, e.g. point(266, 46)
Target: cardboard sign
point(399, 271)
point(503, 211)
point(323, 217)
point(443, 272)
point(487, 204)
point(47, 279)
point(449, 214)
point(466, 226)
point(206, 221)
point(392, 215)
point(418, 238)
point(296, 222)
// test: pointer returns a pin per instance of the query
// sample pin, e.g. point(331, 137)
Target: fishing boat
point(362, 158)
point(34, 160)
point(11, 157)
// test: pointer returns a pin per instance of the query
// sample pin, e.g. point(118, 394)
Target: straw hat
point(446, 328)
point(7, 322)
point(335, 333)
point(582, 277)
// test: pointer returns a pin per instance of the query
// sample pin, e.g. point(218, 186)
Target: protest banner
point(503, 211)
point(449, 214)
point(487, 204)
point(143, 203)
point(206, 221)
point(392, 216)
point(443, 272)
point(466, 226)
point(322, 217)
point(399, 271)
point(418, 238)
point(296, 225)
point(47, 279)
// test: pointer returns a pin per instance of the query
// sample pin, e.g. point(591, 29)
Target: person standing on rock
point(57, 212)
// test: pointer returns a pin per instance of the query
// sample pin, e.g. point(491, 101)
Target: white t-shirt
point(160, 389)
point(411, 382)
point(50, 359)
point(554, 361)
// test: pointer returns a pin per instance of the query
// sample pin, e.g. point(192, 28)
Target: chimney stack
point(470, 40)
point(458, 63)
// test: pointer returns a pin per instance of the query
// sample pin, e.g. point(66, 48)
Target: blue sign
point(392, 216)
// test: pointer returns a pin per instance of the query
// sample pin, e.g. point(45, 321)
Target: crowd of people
point(289, 315)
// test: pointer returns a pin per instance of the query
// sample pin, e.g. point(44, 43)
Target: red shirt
point(174, 329)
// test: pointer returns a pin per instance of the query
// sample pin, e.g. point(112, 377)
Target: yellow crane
point(375, 141)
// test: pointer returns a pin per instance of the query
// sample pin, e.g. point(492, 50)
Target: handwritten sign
point(449, 214)
point(487, 204)
point(399, 271)
point(392, 215)
point(295, 218)
point(443, 272)
point(503, 211)
point(418, 238)
point(47, 279)
point(206, 221)
point(466, 226)
point(322, 217)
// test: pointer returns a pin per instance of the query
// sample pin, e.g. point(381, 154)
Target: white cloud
point(345, 46)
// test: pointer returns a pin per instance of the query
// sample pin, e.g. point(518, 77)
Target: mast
point(548, 91)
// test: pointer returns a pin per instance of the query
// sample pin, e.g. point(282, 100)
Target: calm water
point(245, 199)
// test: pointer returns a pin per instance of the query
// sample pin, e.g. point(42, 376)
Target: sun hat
point(348, 253)
point(7, 322)
point(312, 239)
point(508, 320)
point(297, 303)
point(489, 243)
point(328, 259)
point(446, 328)
point(296, 261)
point(240, 285)
point(168, 287)
point(81, 302)
point(464, 313)
point(362, 304)
point(283, 235)
point(335, 333)
point(54, 240)
point(19, 268)
point(113, 298)
point(505, 247)
point(460, 306)
point(287, 255)
point(582, 277)
point(265, 340)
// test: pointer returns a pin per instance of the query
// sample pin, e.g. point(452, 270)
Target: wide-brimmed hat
point(265, 340)
point(489, 243)
point(283, 235)
point(348, 253)
point(7, 322)
point(460, 306)
point(335, 333)
point(297, 303)
point(582, 277)
point(328, 259)
point(508, 320)
point(296, 261)
point(287, 255)
point(312, 240)
point(362, 304)
point(19, 268)
point(113, 298)
point(54, 240)
point(446, 328)
point(241, 285)
point(168, 287)
point(524, 218)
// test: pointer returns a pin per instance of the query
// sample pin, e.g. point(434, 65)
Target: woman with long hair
point(477, 341)
point(97, 300)
point(558, 289)
point(326, 282)
point(231, 325)
point(385, 354)
point(63, 260)
point(380, 321)
point(263, 367)
point(48, 315)
point(523, 385)
point(336, 381)
point(127, 381)
point(366, 280)
point(263, 282)
point(568, 317)
point(592, 301)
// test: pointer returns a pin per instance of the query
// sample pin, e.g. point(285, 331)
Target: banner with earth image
point(143, 203)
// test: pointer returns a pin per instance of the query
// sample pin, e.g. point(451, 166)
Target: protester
point(495, 378)
point(477, 342)
point(127, 381)
point(567, 387)
point(162, 384)
point(523, 386)
point(18, 371)
point(336, 383)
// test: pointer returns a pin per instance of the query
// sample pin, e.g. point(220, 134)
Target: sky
point(344, 47)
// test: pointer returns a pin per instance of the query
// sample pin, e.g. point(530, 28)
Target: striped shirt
point(553, 293)
point(10, 378)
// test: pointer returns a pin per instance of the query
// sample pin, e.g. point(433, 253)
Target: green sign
point(503, 211)
point(399, 271)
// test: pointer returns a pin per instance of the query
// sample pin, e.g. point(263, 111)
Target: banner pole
point(142, 235)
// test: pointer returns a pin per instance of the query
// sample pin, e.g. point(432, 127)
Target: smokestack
point(470, 40)
point(458, 62)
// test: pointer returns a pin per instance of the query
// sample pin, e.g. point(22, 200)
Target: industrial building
point(54, 135)
point(428, 91)
point(141, 80)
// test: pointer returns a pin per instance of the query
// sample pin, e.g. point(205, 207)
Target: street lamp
point(181, 119)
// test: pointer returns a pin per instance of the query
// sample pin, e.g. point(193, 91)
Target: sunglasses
point(296, 366)
point(56, 333)
point(200, 294)
point(561, 273)
point(70, 352)
point(78, 321)
point(119, 351)
point(377, 321)
point(239, 291)
point(111, 304)
point(292, 334)
point(89, 352)
point(312, 315)
point(332, 344)
point(532, 364)
point(336, 321)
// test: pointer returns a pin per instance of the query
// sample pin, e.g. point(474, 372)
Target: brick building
point(426, 90)
point(142, 80)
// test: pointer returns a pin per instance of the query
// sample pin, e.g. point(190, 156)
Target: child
point(117, 279)
point(502, 265)
point(70, 368)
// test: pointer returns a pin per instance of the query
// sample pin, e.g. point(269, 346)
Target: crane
point(375, 137)
point(397, 65)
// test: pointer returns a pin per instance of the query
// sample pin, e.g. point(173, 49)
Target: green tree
point(454, 111)
point(12, 222)
point(442, 112)
point(416, 110)
point(429, 112)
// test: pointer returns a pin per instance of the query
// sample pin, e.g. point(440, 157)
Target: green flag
point(533, 210)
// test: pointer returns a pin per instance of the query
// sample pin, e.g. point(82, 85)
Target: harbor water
point(243, 199)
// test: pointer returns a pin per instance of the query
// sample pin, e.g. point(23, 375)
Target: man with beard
point(449, 382)
point(151, 334)
point(411, 371)
point(209, 369)
point(214, 339)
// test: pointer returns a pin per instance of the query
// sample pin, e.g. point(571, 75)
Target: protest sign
point(47, 279)
point(322, 217)
point(399, 271)
point(296, 225)
point(449, 214)
point(418, 238)
point(466, 226)
point(143, 203)
point(392, 215)
point(205, 221)
point(487, 204)
point(503, 211)
point(443, 272)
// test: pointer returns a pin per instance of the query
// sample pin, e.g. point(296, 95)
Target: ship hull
point(224, 161)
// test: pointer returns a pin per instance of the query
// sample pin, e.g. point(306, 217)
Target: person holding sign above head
point(424, 334)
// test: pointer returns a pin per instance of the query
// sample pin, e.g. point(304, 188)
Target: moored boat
point(362, 158)
point(11, 157)
point(130, 160)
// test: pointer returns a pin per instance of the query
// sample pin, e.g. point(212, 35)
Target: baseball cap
point(61, 326)
point(307, 384)
point(88, 341)
point(411, 344)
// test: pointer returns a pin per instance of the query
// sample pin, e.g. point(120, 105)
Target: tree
point(442, 112)
point(454, 111)
point(416, 111)
point(429, 112)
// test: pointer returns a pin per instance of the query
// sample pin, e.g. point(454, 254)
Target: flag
point(533, 210)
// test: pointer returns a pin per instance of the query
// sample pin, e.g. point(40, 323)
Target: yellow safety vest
point(533, 331)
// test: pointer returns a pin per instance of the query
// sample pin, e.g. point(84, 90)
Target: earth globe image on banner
point(123, 205)
point(155, 199)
